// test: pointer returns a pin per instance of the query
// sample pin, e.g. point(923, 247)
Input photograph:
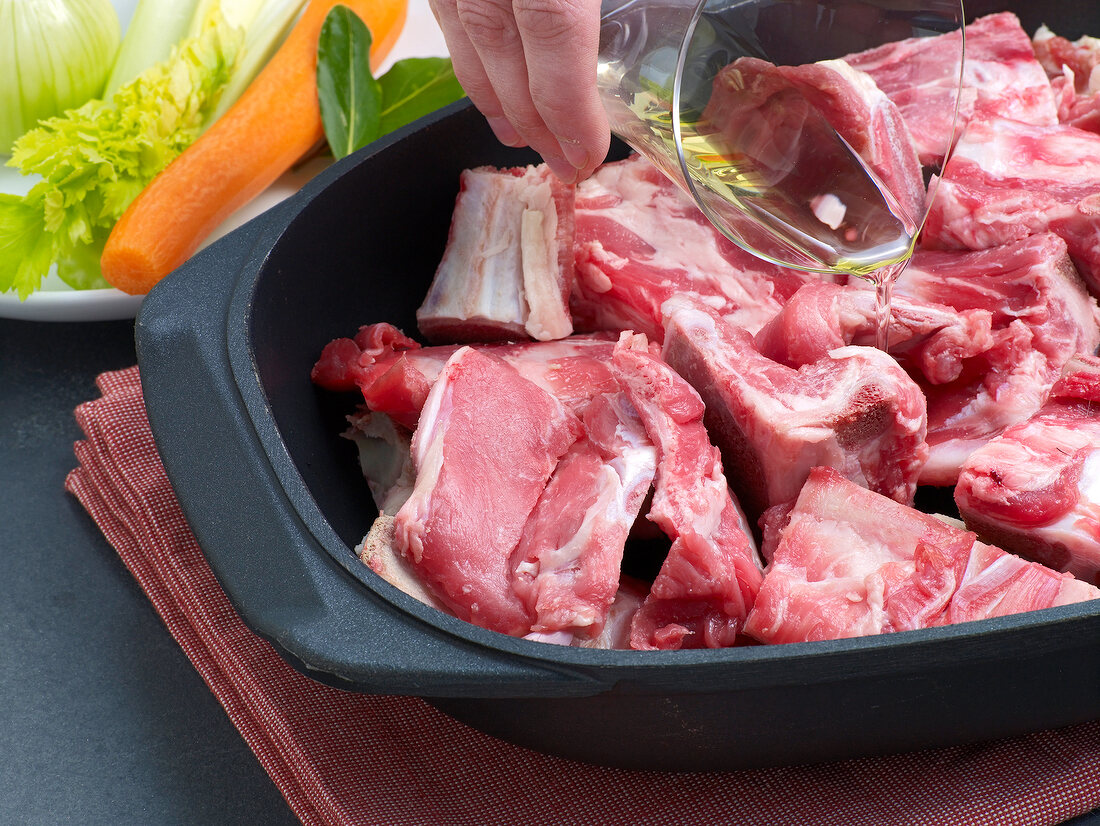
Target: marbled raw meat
point(394, 373)
point(482, 423)
point(564, 567)
point(1001, 78)
point(855, 410)
point(709, 578)
point(507, 269)
point(1081, 57)
point(1035, 490)
point(1042, 316)
point(755, 102)
point(1009, 180)
point(852, 563)
point(640, 240)
point(933, 338)
point(568, 558)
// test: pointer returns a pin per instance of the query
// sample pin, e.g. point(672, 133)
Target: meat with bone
point(759, 102)
point(1035, 490)
point(639, 241)
point(507, 269)
point(569, 555)
point(1074, 71)
point(985, 335)
point(1009, 180)
point(709, 579)
point(852, 563)
point(1001, 78)
point(933, 339)
point(1042, 316)
point(1081, 57)
point(394, 373)
point(482, 422)
point(854, 410)
point(564, 568)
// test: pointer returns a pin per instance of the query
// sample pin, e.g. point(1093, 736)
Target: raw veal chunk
point(854, 410)
point(507, 269)
point(640, 241)
point(762, 107)
point(1042, 316)
point(710, 576)
point(850, 563)
point(1035, 490)
point(486, 446)
point(1009, 180)
point(1001, 78)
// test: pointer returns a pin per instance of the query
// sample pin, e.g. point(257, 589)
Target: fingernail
point(574, 152)
point(505, 132)
point(562, 168)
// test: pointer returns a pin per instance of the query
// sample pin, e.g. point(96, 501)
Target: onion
point(54, 55)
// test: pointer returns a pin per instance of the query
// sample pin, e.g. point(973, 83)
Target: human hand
point(530, 67)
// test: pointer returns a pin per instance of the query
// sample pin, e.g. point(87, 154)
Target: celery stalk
point(266, 24)
point(157, 26)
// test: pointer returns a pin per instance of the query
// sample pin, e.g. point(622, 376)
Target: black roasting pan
point(276, 500)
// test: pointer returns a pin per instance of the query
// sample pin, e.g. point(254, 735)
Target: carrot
point(273, 124)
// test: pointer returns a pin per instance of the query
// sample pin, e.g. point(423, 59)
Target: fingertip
point(505, 132)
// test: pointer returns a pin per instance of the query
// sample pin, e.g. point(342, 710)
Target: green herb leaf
point(350, 96)
point(26, 251)
point(414, 87)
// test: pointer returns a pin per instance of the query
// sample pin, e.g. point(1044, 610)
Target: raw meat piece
point(569, 554)
point(394, 373)
point(640, 241)
point(855, 410)
point(565, 567)
point(482, 423)
point(378, 552)
point(1081, 111)
point(348, 363)
point(751, 94)
point(616, 630)
point(852, 563)
point(1041, 317)
point(1008, 180)
point(1035, 490)
point(709, 579)
point(1001, 78)
point(507, 269)
point(1056, 54)
point(934, 338)
point(1074, 71)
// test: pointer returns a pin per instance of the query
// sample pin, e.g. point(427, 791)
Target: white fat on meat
point(852, 563)
point(1035, 490)
point(709, 578)
point(855, 410)
point(640, 240)
point(1001, 78)
point(1042, 315)
point(507, 269)
point(481, 424)
point(1009, 180)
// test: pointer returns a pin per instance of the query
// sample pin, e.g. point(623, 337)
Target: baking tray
point(277, 503)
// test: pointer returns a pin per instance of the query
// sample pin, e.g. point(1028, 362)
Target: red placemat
point(344, 758)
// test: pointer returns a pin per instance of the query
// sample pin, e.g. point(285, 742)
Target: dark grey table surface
point(102, 718)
